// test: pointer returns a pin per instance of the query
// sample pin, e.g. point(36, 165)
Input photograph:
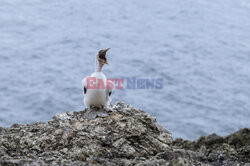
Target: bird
point(97, 97)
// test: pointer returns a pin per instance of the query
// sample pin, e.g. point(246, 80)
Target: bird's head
point(102, 56)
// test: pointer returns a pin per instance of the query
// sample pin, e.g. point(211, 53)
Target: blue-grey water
point(200, 48)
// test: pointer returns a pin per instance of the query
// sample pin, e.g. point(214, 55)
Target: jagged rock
point(217, 150)
point(119, 135)
point(91, 136)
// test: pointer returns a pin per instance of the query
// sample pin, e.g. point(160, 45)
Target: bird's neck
point(98, 66)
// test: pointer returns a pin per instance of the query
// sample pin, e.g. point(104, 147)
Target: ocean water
point(201, 49)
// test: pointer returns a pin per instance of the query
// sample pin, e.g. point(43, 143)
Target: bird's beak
point(106, 50)
point(106, 62)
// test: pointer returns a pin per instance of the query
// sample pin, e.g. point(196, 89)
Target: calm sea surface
point(201, 49)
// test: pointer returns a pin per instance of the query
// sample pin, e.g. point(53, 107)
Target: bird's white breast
point(94, 96)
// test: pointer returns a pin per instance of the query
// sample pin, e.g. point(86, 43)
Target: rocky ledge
point(119, 135)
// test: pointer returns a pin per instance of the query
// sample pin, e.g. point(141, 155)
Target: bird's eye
point(102, 56)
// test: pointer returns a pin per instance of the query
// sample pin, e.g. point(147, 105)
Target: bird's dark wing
point(84, 85)
point(109, 90)
point(85, 90)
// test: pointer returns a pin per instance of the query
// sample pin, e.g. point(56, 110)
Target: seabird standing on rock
point(97, 97)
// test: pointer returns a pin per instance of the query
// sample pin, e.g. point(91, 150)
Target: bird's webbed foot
point(97, 107)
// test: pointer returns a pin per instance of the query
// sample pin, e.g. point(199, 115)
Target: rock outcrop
point(119, 135)
point(216, 150)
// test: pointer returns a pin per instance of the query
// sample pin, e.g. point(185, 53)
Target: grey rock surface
point(119, 135)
